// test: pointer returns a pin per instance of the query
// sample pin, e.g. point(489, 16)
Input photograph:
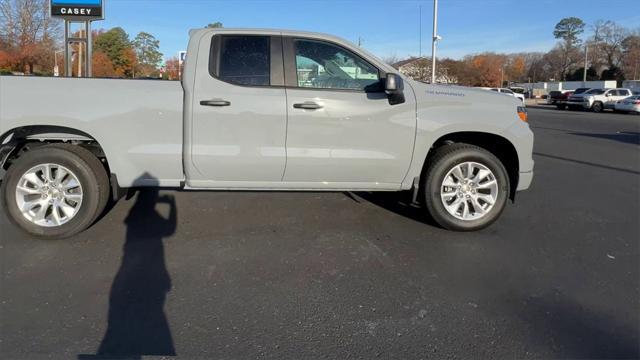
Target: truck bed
point(138, 123)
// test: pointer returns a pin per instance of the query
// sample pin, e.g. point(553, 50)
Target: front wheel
point(55, 191)
point(466, 187)
point(597, 107)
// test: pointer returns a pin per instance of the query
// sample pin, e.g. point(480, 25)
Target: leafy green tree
point(116, 45)
point(567, 54)
point(613, 73)
point(569, 29)
point(578, 74)
point(147, 49)
point(214, 25)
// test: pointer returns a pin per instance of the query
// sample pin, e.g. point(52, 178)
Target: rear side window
point(245, 60)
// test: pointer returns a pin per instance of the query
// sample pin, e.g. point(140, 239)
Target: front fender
point(445, 110)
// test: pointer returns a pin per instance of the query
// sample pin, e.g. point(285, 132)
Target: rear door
point(239, 112)
point(342, 130)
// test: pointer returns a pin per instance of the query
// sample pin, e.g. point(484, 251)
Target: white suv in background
point(508, 92)
point(598, 99)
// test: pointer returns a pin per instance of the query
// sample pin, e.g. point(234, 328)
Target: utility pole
point(586, 59)
point(420, 33)
point(434, 41)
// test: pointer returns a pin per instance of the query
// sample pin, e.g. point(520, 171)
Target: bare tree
point(28, 33)
point(391, 59)
point(631, 56)
point(607, 38)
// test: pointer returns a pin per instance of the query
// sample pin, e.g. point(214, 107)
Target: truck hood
point(428, 93)
point(579, 96)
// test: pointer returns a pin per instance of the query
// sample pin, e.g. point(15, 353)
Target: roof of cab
point(284, 32)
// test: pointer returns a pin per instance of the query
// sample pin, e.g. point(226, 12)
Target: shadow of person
point(137, 324)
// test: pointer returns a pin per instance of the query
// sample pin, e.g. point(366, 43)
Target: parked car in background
point(559, 98)
point(519, 90)
point(580, 90)
point(629, 105)
point(507, 92)
point(597, 100)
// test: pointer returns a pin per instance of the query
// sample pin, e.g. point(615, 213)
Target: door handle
point(215, 102)
point(308, 105)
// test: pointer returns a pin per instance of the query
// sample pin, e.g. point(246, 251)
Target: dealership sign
point(81, 10)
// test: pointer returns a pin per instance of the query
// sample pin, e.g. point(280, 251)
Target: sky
point(385, 27)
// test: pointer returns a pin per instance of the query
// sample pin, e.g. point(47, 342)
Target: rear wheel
point(55, 191)
point(466, 187)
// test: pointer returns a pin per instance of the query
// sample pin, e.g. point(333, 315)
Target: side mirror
point(394, 87)
point(608, 94)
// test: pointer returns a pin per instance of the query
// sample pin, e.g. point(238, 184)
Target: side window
point(322, 65)
point(496, 90)
point(245, 60)
point(507, 91)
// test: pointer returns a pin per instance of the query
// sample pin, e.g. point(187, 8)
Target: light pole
point(586, 60)
point(434, 41)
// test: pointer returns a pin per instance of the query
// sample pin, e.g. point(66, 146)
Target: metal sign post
point(83, 12)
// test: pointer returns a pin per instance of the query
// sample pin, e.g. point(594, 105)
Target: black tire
point(561, 107)
point(87, 168)
point(441, 163)
point(597, 107)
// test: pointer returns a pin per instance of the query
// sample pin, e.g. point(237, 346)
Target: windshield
point(595, 92)
point(581, 90)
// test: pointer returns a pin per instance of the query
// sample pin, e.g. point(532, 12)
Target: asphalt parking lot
point(332, 275)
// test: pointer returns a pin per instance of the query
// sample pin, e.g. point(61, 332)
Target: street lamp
point(434, 41)
point(586, 59)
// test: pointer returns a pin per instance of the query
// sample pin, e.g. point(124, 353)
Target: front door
point(239, 113)
point(342, 130)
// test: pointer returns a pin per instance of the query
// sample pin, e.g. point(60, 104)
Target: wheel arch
point(498, 145)
point(17, 140)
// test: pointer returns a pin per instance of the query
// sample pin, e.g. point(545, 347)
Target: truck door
point(342, 130)
point(239, 113)
point(612, 97)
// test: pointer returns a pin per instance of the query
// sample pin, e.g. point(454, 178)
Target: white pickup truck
point(259, 110)
point(597, 100)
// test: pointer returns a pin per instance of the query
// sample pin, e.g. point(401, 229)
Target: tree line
point(30, 40)
point(612, 52)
